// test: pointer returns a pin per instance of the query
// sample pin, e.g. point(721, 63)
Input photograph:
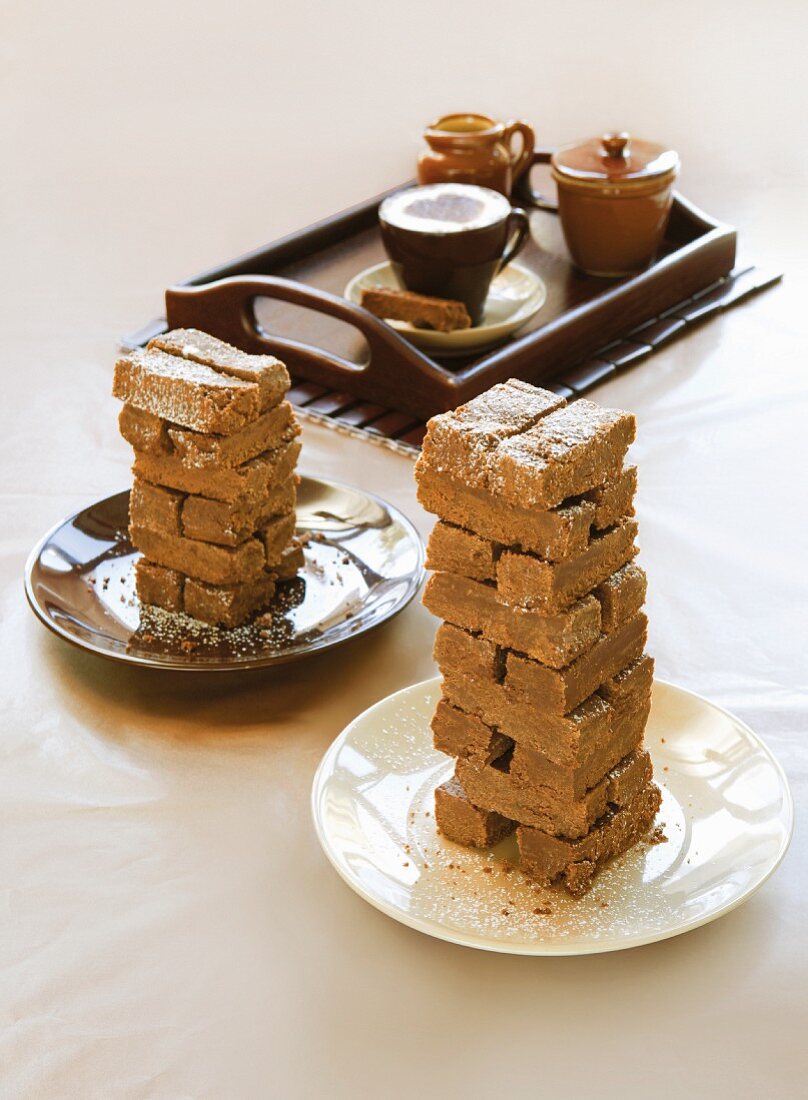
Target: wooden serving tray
point(286, 299)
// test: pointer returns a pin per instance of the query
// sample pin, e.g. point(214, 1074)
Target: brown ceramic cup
point(450, 240)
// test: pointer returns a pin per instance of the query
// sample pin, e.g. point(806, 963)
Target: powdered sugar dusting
point(184, 392)
point(200, 347)
point(509, 440)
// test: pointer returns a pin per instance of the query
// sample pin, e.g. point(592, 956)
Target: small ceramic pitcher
point(467, 148)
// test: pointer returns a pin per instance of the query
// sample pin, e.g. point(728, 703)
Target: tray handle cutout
point(226, 308)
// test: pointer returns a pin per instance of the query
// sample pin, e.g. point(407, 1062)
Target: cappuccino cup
point(449, 240)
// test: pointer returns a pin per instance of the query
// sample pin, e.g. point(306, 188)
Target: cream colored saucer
point(726, 811)
point(516, 295)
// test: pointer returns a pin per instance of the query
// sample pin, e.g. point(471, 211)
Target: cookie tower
point(212, 505)
point(546, 686)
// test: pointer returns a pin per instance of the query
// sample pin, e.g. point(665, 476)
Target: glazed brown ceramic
point(450, 240)
point(614, 198)
point(469, 148)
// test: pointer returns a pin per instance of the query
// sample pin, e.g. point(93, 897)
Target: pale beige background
point(168, 925)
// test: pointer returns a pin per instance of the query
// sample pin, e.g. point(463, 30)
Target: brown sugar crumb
point(543, 911)
point(662, 740)
point(658, 836)
point(488, 870)
point(665, 768)
point(406, 863)
point(604, 905)
point(505, 912)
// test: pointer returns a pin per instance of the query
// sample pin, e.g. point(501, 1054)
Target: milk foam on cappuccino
point(444, 208)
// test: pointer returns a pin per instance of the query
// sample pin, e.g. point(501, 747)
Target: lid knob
point(614, 145)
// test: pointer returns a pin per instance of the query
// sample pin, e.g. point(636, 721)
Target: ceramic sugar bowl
point(614, 199)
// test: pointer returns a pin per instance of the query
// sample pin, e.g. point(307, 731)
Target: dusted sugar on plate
point(212, 507)
point(546, 684)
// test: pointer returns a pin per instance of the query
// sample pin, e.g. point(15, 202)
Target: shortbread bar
point(553, 534)
point(440, 314)
point(541, 807)
point(457, 443)
point(465, 823)
point(467, 737)
point(204, 560)
point(249, 482)
point(555, 639)
point(525, 580)
point(184, 393)
point(152, 435)
point(267, 372)
point(574, 862)
point(566, 739)
point(559, 691)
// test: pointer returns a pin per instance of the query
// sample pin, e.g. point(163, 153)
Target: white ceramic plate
point(516, 295)
point(727, 814)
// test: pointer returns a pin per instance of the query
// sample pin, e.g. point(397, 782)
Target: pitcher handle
point(521, 161)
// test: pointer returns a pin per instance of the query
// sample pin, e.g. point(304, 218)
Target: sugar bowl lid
point(615, 158)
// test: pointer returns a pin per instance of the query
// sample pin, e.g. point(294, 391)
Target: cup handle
point(519, 162)
point(524, 193)
point(519, 231)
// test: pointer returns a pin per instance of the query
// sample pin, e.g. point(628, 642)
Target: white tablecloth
point(168, 925)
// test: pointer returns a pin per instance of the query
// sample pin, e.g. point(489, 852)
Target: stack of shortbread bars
point(546, 686)
point(212, 507)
